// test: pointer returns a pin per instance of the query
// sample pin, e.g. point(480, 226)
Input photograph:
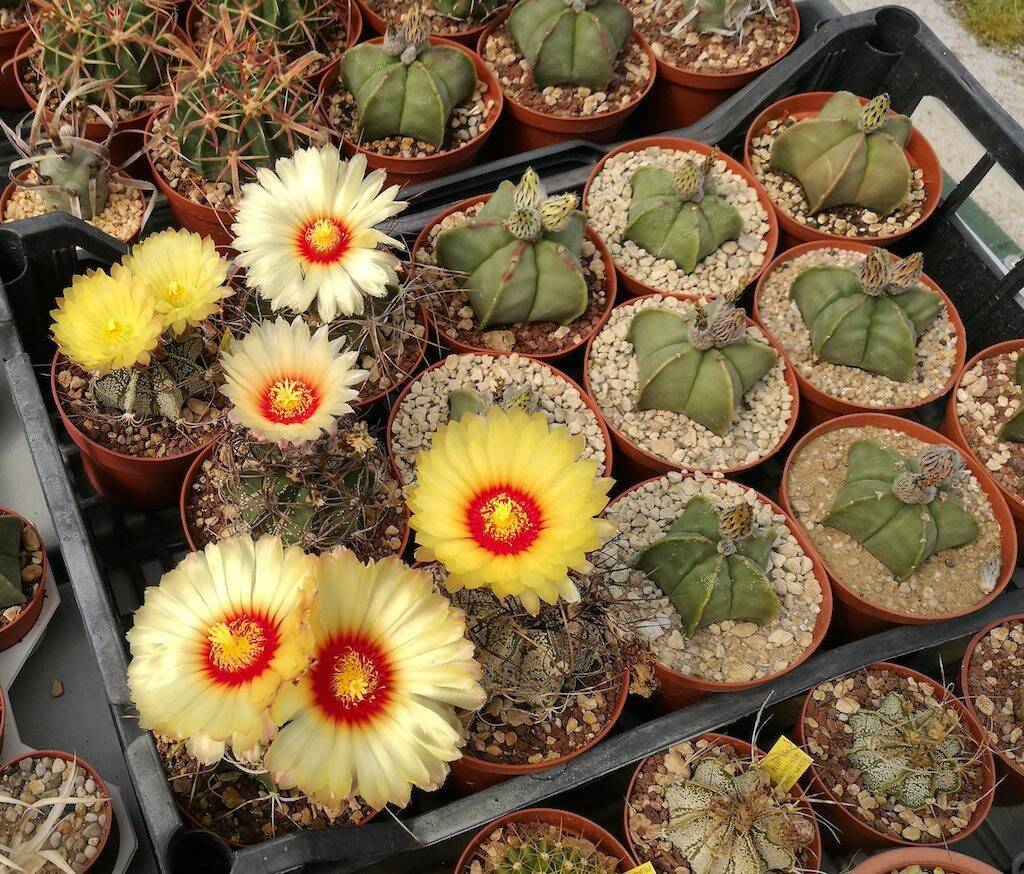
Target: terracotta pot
point(812, 861)
point(816, 405)
point(11, 95)
point(919, 153)
point(857, 617)
point(645, 464)
point(677, 690)
point(571, 823)
point(637, 286)
point(855, 833)
point(410, 171)
point(460, 346)
point(467, 37)
point(143, 482)
point(13, 632)
point(951, 426)
point(1010, 789)
point(925, 857)
point(527, 128)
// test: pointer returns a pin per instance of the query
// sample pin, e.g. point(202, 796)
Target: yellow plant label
point(785, 763)
point(646, 868)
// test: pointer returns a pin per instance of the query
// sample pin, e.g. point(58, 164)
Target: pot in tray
point(927, 858)
point(861, 611)
point(34, 573)
point(467, 36)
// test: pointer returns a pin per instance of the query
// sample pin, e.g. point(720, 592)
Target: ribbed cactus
point(405, 87)
point(902, 510)
point(725, 17)
point(469, 401)
point(677, 215)
point(543, 857)
point(1013, 429)
point(849, 155)
point(570, 42)
point(869, 316)
point(701, 367)
point(11, 592)
point(906, 755)
point(467, 10)
point(519, 256)
point(294, 26)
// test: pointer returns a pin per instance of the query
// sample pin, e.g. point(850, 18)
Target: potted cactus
point(813, 300)
point(474, 260)
point(14, 24)
point(911, 860)
point(837, 166)
point(461, 21)
point(23, 573)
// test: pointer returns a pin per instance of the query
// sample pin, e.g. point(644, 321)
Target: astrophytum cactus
point(848, 155)
point(467, 10)
point(870, 316)
point(1013, 429)
point(405, 87)
point(570, 42)
point(712, 566)
point(697, 366)
point(519, 256)
point(469, 401)
point(724, 17)
point(678, 216)
point(903, 510)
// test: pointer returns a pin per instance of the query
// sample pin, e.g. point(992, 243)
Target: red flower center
point(240, 648)
point(323, 240)
point(290, 400)
point(352, 679)
point(504, 520)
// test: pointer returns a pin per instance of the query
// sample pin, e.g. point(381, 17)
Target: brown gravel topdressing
point(948, 582)
point(995, 683)
point(175, 171)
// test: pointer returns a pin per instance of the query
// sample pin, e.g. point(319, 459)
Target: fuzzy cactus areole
point(520, 256)
point(849, 155)
point(724, 17)
point(869, 317)
point(570, 42)
point(1013, 429)
point(405, 87)
point(903, 510)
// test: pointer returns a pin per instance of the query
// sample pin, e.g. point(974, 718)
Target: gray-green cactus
point(467, 10)
point(848, 155)
point(725, 17)
point(695, 366)
point(903, 510)
point(519, 257)
point(1013, 428)
point(678, 216)
point(469, 401)
point(405, 87)
point(11, 591)
point(570, 42)
point(869, 317)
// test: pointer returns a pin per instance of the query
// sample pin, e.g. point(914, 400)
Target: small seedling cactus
point(469, 401)
point(541, 848)
point(712, 565)
point(467, 10)
point(724, 17)
point(519, 256)
point(405, 87)
point(294, 26)
point(909, 756)
point(849, 155)
point(678, 216)
point(869, 317)
point(903, 510)
point(570, 42)
point(11, 591)
point(700, 367)
point(1013, 429)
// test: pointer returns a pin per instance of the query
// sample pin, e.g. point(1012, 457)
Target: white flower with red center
point(288, 385)
point(308, 230)
point(374, 715)
point(214, 641)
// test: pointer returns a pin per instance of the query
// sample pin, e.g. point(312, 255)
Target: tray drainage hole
point(198, 852)
point(893, 29)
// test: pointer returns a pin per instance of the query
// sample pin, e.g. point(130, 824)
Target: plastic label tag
point(646, 868)
point(785, 763)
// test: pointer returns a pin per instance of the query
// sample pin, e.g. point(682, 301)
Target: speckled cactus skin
point(570, 42)
point(848, 155)
point(712, 566)
point(865, 316)
point(1013, 429)
point(902, 510)
point(467, 10)
point(519, 257)
point(703, 372)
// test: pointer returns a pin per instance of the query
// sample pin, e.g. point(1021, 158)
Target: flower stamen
point(290, 399)
point(239, 648)
point(355, 677)
point(117, 332)
point(324, 240)
point(504, 521)
point(176, 293)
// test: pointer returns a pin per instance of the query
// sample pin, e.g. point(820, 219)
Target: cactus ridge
point(706, 384)
point(899, 513)
point(541, 848)
point(712, 566)
point(1013, 428)
point(870, 317)
point(848, 155)
point(293, 25)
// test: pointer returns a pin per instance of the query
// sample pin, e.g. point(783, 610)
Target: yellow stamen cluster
point(289, 397)
point(235, 646)
point(504, 517)
point(324, 234)
point(355, 677)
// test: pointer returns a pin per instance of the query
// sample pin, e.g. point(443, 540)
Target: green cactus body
point(866, 317)
point(519, 257)
point(11, 592)
point(293, 25)
point(467, 10)
point(275, 504)
point(905, 755)
point(725, 17)
point(1013, 429)
point(80, 177)
point(543, 857)
point(468, 401)
point(848, 156)
point(682, 226)
point(697, 368)
point(570, 42)
point(712, 567)
point(902, 510)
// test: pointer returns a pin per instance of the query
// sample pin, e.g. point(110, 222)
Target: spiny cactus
point(11, 592)
point(906, 755)
point(849, 155)
point(701, 367)
point(469, 401)
point(712, 565)
point(405, 87)
point(725, 17)
point(870, 316)
point(542, 849)
point(519, 256)
point(903, 510)
point(677, 215)
point(467, 10)
point(543, 857)
point(570, 42)
point(1013, 429)
point(294, 26)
